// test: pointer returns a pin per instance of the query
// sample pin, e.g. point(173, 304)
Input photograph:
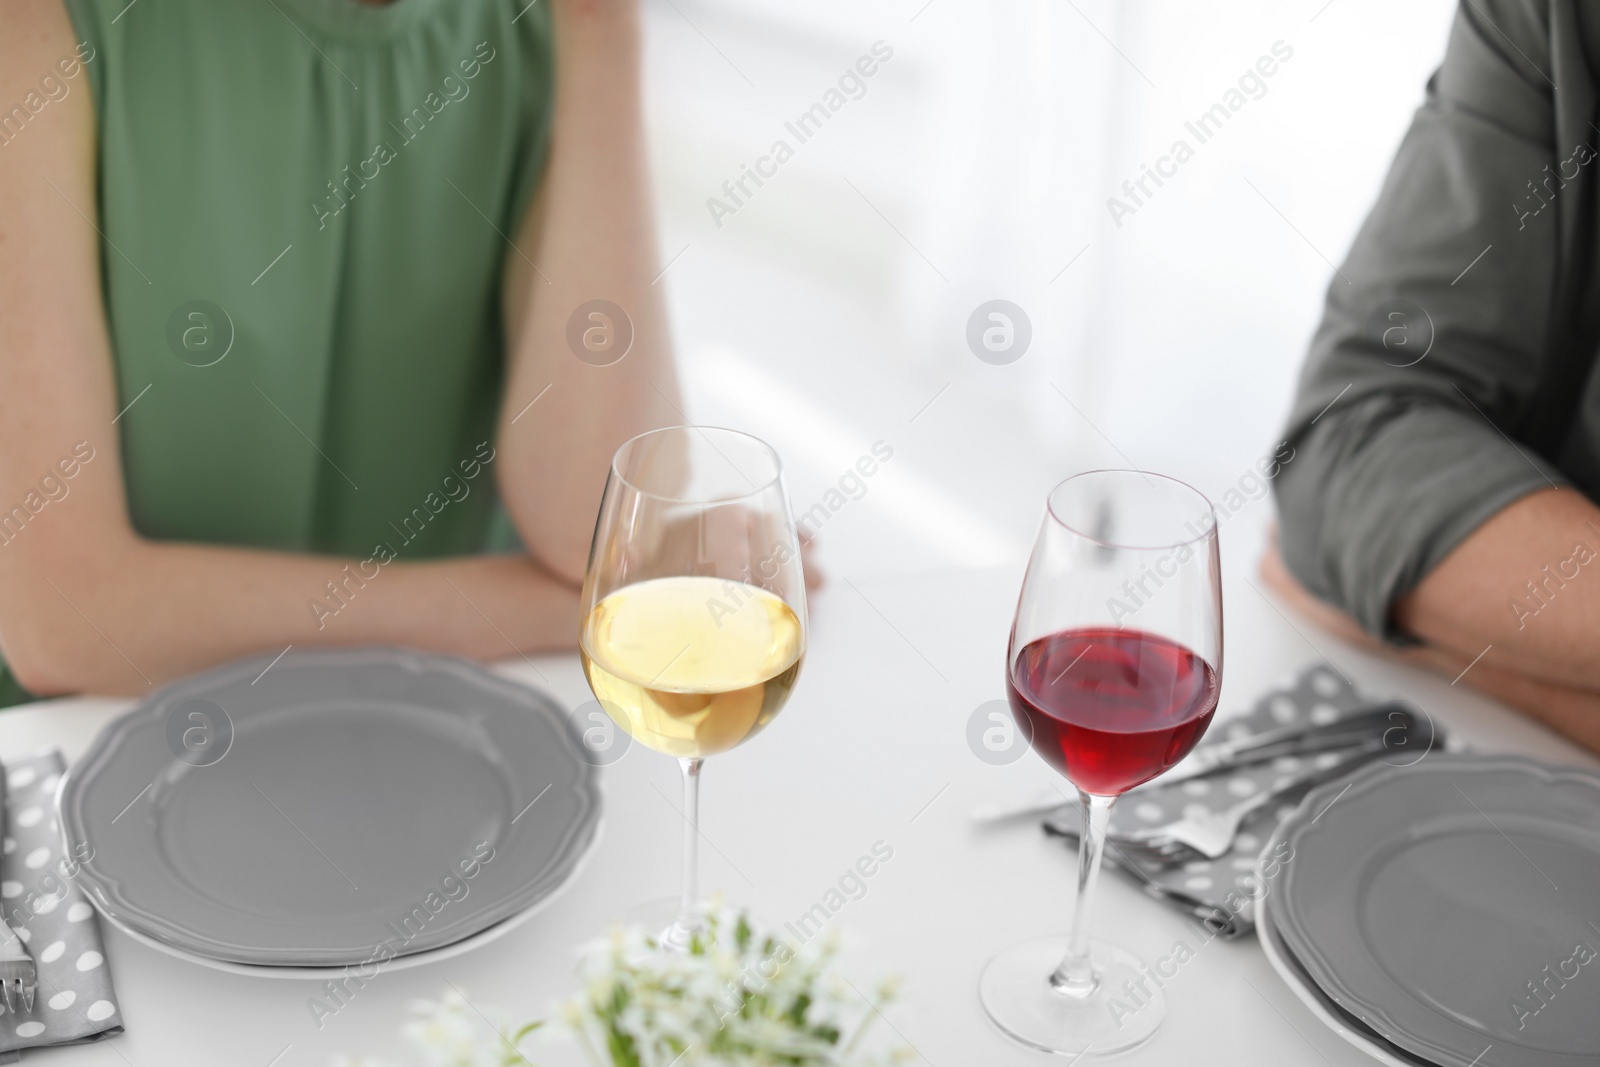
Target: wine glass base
point(659, 918)
point(1123, 1010)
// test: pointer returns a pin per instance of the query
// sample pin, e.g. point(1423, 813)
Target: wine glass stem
point(1075, 976)
point(689, 905)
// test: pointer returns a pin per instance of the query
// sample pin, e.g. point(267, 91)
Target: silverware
point(1377, 721)
point(18, 976)
point(1215, 757)
point(1212, 834)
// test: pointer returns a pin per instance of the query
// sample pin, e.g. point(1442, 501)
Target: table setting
point(1264, 769)
point(60, 967)
point(277, 859)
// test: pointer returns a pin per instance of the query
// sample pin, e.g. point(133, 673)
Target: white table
point(871, 748)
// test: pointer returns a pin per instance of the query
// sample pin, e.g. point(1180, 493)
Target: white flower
point(452, 1032)
point(742, 996)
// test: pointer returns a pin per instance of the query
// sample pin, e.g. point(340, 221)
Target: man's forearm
point(1570, 711)
point(1525, 586)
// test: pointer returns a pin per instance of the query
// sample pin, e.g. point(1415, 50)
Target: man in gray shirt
point(1447, 424)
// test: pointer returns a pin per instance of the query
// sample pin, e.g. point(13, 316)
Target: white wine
point(692, 666)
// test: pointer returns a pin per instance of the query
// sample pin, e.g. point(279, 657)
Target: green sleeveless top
point(305, 207)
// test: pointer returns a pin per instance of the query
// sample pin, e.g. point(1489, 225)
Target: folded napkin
point(1223, 893)
point(43, 904)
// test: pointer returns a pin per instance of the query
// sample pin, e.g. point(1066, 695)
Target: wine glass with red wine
point(1113, 672)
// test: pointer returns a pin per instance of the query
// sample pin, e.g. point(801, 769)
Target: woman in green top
point(292, 297)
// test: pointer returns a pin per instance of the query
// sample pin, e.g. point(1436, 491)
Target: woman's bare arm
point(85, 602)
point(591, 233)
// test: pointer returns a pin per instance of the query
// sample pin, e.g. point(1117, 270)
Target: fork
point(1212, 833)
point(1167, 844)
point(18, 976)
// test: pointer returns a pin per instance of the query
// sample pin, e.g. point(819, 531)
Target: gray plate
point(340, 808)
point(1423, 900)
point(1323, 1006)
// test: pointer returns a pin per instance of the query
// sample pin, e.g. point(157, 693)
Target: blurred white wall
point(829, 310)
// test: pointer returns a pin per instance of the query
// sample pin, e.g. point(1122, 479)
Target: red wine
point(1111, 708)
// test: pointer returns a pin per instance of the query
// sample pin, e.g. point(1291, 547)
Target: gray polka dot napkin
point(44, 906)
point(1222, 893)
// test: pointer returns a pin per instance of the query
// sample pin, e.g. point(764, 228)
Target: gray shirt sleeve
point(1438, 330)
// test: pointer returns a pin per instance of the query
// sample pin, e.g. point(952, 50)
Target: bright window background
point(829, 312)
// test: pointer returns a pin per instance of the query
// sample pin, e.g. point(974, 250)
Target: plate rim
point(1363, 1007)
point(1266, 931)
point(438, 954)
point(100, 887)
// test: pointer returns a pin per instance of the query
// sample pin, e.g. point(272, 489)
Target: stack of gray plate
point(373, 808)
point(1446, 913)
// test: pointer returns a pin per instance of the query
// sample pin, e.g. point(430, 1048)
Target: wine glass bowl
point(1113, 671)
point(676, 684)
point(1109, 709)
point(693, 603)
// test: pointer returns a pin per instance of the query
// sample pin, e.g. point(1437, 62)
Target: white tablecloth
point(871, 748)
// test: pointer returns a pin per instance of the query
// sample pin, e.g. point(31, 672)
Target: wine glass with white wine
point(694, 610)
